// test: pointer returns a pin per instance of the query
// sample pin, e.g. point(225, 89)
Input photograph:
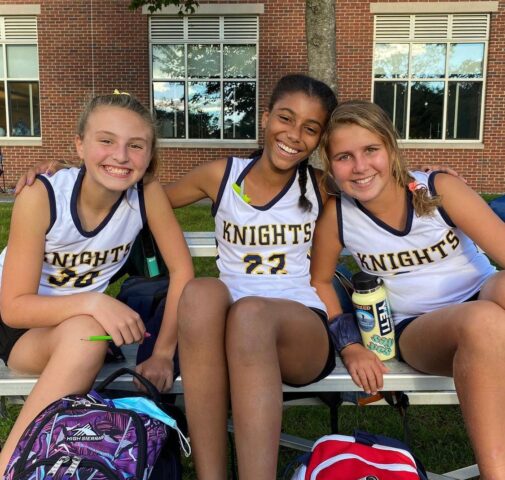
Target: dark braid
point(303, 202)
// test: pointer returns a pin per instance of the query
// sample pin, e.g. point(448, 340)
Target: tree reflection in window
point(414, 82)
point(205, 90)
point(204, 106)
point(169, 103)
point(239, 110)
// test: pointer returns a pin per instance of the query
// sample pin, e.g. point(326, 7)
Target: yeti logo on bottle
point(385, 323)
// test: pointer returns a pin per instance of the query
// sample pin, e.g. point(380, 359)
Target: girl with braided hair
point(260, 324)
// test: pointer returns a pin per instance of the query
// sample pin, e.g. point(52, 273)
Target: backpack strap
point(152, 391)
point(149, 252)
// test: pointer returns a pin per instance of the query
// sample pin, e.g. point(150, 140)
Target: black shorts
point(330, 361)
point(8, 337)
point(400, 328)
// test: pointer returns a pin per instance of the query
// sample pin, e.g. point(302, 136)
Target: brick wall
point(71, 70)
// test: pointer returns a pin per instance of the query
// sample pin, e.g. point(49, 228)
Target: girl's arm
point(20, 304)
point(201, 182)
point(325, 253)
point(363, 365)
point(473, 216)
point(170, 240)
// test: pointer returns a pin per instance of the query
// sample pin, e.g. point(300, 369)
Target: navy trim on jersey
point(224, 181)
point(338, 205)
point(385, 226)
point(316, 189)
point(248, 167)
point(433, 191)
point(75, 215)
point(52, 201)
point(142, 203)
point(274, 200)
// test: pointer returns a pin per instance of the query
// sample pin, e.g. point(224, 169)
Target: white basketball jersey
point(76, 260)
point(264, 250)
point(427, 266)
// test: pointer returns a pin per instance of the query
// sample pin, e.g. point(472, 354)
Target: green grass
point(437, 433)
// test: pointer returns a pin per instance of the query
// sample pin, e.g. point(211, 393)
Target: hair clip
point(117, 92)
point(239, 190)
point(413, 186)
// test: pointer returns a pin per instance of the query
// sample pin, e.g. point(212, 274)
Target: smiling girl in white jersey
point(417, 233)
point(69, 234)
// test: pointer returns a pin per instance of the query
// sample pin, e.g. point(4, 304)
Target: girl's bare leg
point(267, 341)
point(66, 366)
point(202, 322)
point(467, 341)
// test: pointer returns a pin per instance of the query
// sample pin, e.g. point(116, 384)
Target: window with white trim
point(204, 76)
point(19, 77)
point(429, 74)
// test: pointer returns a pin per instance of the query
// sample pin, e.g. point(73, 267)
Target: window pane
point(22, 61)
point(2, 73)
point(391, 60)
point(463, 110)
point(428, 60)
point(204, 104)
point(392, 97)
point(426, 104)
point(204, 61)
point(3, 112)
point(24, 109)
point(466, 60)
point(239, 61)
point(169, 102)
point(239, 110)
point(168, 61)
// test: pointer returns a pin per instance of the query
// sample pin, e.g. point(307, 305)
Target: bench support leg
point(3, 407)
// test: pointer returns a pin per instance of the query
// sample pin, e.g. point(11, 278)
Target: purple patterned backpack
point(86, 437)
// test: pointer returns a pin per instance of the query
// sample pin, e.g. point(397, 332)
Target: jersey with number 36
point(264, 250)
point(76, 260)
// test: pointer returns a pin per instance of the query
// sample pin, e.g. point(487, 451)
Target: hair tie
point(117, 92)
point(413, 186)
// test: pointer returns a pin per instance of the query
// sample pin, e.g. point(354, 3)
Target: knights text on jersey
point(427, 266)
point(264, 250)
point(76, 260)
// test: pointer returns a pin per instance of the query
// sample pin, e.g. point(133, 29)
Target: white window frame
point(18, 26)
point(177, 30)
point(408, 29)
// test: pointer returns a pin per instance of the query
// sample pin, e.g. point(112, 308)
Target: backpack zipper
point(77, 461)
point(57, 465)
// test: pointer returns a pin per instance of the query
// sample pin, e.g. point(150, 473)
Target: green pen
point(104, 338)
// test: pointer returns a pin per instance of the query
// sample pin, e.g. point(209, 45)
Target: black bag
point(145, 259)
point(498, 206)
point(145, 289)
point(147, 297)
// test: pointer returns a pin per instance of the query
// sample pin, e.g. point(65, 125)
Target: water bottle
point(373, 314)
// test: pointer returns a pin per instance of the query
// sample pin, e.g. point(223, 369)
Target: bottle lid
point(364, 281)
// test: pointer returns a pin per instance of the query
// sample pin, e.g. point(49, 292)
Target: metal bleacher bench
point(422, 389)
